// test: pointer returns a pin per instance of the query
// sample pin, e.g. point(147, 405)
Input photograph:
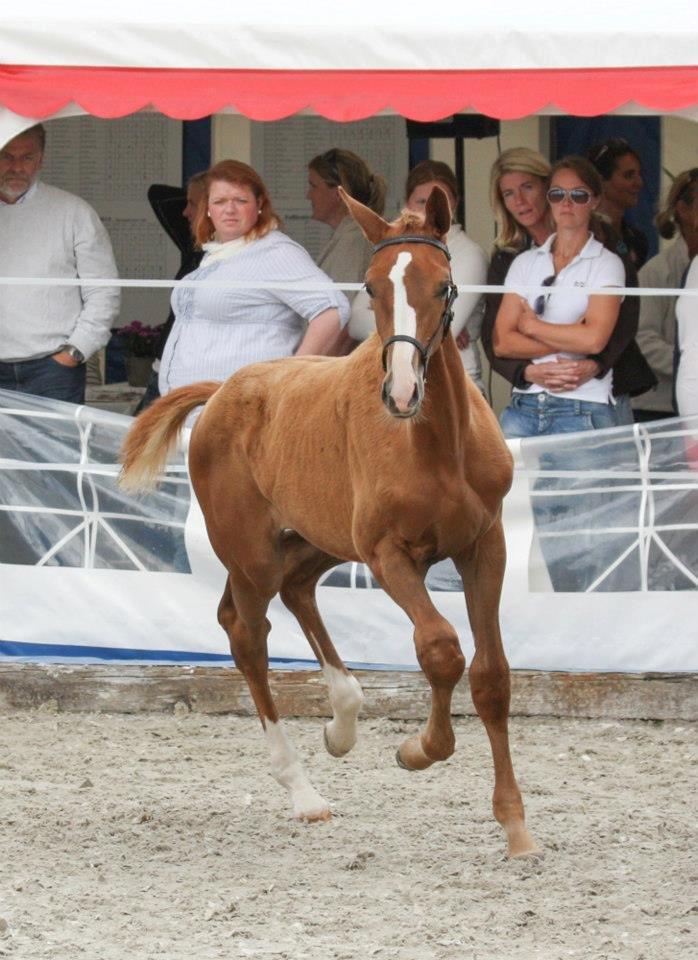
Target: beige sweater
point(656, 333)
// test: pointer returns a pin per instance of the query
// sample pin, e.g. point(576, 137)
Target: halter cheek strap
point(446, 316)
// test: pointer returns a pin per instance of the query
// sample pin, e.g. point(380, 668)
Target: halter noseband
point(446, 316)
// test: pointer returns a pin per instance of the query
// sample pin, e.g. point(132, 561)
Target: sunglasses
point(577, 195)
point(330, 157)
point(541, 301)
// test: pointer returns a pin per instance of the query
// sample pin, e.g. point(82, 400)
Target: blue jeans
point(538, 414)
point(45, 377)
point(624, 412)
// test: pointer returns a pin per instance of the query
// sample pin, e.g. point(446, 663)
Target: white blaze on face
point(405, 324)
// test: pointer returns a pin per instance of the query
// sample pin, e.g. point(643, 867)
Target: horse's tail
point(154, 435)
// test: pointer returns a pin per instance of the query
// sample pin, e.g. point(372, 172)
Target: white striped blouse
point(218, 330)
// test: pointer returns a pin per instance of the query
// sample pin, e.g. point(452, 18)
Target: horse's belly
point(321, 520)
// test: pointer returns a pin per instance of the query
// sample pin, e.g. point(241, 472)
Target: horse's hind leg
point(437, 648)
point(242, 614)
point(303, 567)
point(482, 572)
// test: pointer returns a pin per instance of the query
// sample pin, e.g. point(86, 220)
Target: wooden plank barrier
point(135, 688)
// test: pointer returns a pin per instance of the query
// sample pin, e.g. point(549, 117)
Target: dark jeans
point(45, 377)
point(150, 396)
point(647, 416)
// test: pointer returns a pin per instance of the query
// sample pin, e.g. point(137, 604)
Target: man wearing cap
point(47, 332)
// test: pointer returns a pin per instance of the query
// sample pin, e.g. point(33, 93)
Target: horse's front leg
point(482, 572)
point(438, 652)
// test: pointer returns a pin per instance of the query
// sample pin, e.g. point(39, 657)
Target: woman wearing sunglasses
point(519, 181)
point(566, 324)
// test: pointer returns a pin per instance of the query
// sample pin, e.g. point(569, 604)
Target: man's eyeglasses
point(577, 195)
point(541, 301)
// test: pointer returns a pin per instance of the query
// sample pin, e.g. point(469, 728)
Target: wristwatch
point(73, 352)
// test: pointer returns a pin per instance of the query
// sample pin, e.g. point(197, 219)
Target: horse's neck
point(447, 413)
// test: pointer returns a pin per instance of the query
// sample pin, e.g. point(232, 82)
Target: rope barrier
point(318, 287)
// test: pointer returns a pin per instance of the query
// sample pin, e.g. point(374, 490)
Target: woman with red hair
point(219, 328)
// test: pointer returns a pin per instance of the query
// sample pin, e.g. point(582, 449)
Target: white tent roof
point(360, 35)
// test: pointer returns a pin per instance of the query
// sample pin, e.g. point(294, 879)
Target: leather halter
point(446, 316)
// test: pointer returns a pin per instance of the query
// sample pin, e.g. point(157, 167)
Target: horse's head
point(409, 282)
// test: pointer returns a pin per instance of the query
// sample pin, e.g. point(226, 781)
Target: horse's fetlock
point(440, 749)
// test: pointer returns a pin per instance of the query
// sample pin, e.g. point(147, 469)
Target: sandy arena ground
point(165, 836)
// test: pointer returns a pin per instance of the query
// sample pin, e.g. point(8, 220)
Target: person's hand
point(65, 359)
point(527, 323)
point(558, 376)
point(463, 339)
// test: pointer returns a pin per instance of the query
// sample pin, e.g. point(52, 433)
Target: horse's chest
point(433, 518)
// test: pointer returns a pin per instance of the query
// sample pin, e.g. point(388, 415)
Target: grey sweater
point(53, 233)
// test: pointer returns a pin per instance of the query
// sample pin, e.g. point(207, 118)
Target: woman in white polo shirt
point(567, 323)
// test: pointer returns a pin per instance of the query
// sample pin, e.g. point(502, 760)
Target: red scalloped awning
point(38, 92)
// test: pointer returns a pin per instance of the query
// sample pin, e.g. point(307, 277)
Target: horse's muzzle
point(398, 407)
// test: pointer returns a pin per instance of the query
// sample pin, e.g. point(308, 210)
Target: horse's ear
point(374, 226)
point(437, 215)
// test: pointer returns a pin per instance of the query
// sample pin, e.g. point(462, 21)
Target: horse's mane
point(407, 222)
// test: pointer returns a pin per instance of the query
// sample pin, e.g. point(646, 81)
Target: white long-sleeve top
point(468, 265)
point(52, 233)
point(687, 328)
point(218, 330)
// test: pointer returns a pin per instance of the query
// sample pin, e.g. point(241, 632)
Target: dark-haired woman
point(620, 169)
point(570, 325)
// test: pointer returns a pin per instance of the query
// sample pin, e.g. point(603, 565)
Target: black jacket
point(168, 205)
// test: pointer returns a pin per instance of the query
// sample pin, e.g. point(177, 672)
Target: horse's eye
point(443, 292)
point(369, 289)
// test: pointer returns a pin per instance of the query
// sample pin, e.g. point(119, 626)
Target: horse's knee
point(490, 689)
point(440, 656)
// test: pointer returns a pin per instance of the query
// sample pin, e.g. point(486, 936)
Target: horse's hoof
point(315, 816)
point(411, 756)
point(332, 749)
point(400, 762)
point(522, 846)
point(531, 855)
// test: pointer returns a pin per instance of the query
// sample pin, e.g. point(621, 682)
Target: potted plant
point(139, 343)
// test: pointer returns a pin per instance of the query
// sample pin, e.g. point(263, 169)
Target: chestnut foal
point(303, 463)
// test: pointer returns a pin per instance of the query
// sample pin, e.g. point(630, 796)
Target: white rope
point(65, 512)
point(316, 286)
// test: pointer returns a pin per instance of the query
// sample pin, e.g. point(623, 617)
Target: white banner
point(602, 539)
